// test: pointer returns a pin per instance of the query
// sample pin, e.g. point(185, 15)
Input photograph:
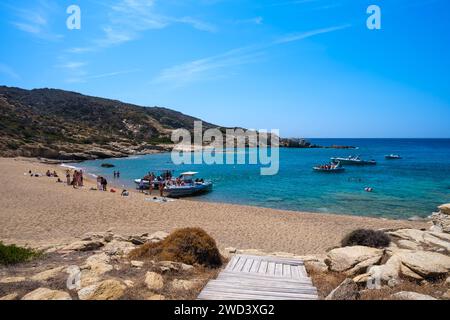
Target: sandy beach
point(39, 211)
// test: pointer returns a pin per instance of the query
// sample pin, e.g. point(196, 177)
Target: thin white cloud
point(256, 20)
point(8, 71)
point(72, 65)
point(308, 34)
point(195, 70)
point(35, 20)
point(85, 78)
point(128, 19)
point(200, 69)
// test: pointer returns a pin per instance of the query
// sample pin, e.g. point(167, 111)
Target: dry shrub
point(325, 282)
point(190, 245)
point(431, 289)
point(367, 238)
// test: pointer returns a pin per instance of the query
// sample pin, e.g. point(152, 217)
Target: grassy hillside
point(65, 125)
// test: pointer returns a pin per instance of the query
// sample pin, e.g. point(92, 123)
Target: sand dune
point(39, 211)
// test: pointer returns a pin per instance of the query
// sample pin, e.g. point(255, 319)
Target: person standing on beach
point(104, 184)
point(68, 177)
point(75, 179)
point(99, 183)
point(162, 184)
point(80, 182)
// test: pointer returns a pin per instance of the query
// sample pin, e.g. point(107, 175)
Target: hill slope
point(64, 125)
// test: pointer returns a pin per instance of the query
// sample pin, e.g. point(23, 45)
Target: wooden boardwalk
point(261, 278)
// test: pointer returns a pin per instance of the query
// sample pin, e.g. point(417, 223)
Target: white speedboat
point(353, 161)
point(330, 168)
point(392, 157)
point(186, 186)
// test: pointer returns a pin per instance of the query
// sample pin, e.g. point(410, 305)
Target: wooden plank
point(263, 267)
point(248, 265)
point(249, 277)
point(255, 266)
point(274, 259)
point(220, 286)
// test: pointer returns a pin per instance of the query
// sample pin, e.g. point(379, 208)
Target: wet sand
point(40, 211)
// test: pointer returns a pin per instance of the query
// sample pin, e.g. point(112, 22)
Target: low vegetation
point(367, 238)
point(12, 254)
point(190, 246)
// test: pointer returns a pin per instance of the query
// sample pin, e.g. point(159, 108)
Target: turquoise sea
point(412, 186)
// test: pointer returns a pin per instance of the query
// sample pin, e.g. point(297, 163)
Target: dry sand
point(39, 211)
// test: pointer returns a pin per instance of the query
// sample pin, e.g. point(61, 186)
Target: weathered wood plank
point(250, 277)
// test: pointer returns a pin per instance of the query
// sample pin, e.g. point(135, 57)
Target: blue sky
point(310, 68)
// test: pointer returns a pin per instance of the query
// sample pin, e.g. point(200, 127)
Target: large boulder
point(186, 285)
point(98, 264)
point(353, 259)
point(445, 208)
point(441, 219)
point(118, 248)
point(47, 294)
point(48, 274)
point(84, 246)
point(416, 239)
point(408, 295)
point(424, 263)
point(9, 297)
point(347, 290)
point(154, 281)
point(8, 280)
point(106, 290)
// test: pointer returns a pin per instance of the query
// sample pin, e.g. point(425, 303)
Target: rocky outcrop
point(347, 290)
point(407, 295)
point(420, 239)
point(46, 275)
point(441, 219)
point(154, 281)
point(47, 294)
point(353, 260)
point(105, 290)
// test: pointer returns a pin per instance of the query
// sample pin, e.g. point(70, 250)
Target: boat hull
point(188, 191)
point(339, 170)
point(353, 162)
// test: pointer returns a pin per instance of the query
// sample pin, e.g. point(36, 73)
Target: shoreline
point(48, 213)
point(111, 183)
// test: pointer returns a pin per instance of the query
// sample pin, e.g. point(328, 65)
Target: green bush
point(367, 238)
point(190, 245)
point(12, 254)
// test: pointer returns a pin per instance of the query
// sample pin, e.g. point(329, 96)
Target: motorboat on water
point(392, 157)
point(144, 183)
point(353, 160)
point(186, 186)
point(330, 168)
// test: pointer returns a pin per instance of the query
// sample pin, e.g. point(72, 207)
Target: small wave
point(70, 167)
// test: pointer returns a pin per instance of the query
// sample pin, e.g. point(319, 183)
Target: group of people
point(116, 174)
point(51, 174)
point(102, 184)
point(76, 179)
